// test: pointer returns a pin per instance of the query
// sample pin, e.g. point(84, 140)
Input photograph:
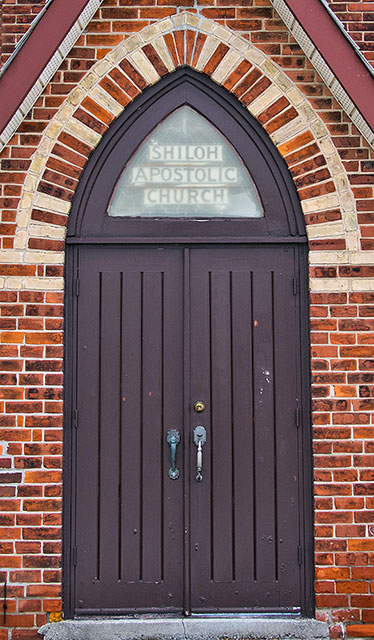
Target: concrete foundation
point(242, 628)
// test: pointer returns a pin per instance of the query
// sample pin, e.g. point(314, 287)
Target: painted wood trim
point(341, 56)
point(34, 66)
point(339, 66)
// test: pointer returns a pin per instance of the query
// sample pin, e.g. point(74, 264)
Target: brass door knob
point(199, 407)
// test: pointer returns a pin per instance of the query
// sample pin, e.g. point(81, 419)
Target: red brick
point(133, 74)
point(281, 120)
point(216, 58)
point(352, 559)
point(331, 601)
point(235, 75)
point(360, 630)
point(352, 586)
point(91, 122)
point(130, 89)
point(246, 82)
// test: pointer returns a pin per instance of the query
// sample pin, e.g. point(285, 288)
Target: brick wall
point(16, 15)
point(332, 167)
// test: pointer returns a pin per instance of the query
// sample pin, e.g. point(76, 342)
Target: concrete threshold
point(212, 628)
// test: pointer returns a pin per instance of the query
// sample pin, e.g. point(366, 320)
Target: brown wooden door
point(159, 329)
point(129, 394)
point(245, 522)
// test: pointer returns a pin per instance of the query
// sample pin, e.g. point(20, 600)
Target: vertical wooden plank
point(286, 350)
point(263, 377)
point(173, 418)
point(152, 441)
point(200, 501)
point(87, 477)
point(243, 452)
point(221, 427)
point(110, 423)
point(131, 392)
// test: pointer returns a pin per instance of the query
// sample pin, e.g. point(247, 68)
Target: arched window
point(185, 168)
point(183, 152)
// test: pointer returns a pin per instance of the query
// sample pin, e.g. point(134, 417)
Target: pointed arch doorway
point(187, 416)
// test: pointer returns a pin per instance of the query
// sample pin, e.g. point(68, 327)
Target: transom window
point(185, 168)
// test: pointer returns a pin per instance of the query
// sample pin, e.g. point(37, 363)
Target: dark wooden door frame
point(292, 231)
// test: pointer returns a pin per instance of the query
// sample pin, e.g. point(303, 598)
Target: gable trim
point(47, 72)
point(325, 71)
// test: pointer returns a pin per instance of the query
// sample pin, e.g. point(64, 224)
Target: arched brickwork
point(186, 39)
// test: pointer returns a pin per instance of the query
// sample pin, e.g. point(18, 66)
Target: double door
point(168, 339)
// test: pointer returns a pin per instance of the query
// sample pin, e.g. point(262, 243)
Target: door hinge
point(77, 286)
point(300, 555)
point(295, 285)
point(297, 413)
point(75, 418)
point(75, 554)
point(5, 606)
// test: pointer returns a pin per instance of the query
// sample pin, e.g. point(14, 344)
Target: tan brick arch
point(263, 88)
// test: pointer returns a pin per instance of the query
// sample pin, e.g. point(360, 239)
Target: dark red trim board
point(338, 53)
point(26, 68)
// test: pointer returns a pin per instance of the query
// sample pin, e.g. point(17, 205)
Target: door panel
point(128, 525)
point(243, 346)
point(245, 513)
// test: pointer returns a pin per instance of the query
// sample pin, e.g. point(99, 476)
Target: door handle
point(199, 438)
point(173, 438)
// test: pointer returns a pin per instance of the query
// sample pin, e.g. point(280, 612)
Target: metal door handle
point(173, 438)
point(199, 438)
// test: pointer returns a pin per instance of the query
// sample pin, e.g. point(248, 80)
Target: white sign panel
point(185, 169)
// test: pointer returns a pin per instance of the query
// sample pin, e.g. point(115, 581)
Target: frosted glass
point(185, 168)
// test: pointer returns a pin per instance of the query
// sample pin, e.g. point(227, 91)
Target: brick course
point(332, 167)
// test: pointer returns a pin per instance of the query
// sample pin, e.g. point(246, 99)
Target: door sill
point(192, 628)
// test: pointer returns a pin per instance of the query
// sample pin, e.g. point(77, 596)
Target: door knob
point(173, 438)
point(199, 438)
point(199, 407)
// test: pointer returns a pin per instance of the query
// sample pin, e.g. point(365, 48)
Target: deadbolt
point(199, 407)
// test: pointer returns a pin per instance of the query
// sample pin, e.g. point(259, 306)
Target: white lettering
point(230, 171)
point(184, 175)
point(185, 196)
point(185, 153)
point(154, 152)
point(138, 175)
point(213, 153)
point(201, 174)
point(168, 152)
point(149, 196)
point(220, 196)
point(200, 153)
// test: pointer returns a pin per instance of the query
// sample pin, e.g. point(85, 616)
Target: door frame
point(296, 236)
